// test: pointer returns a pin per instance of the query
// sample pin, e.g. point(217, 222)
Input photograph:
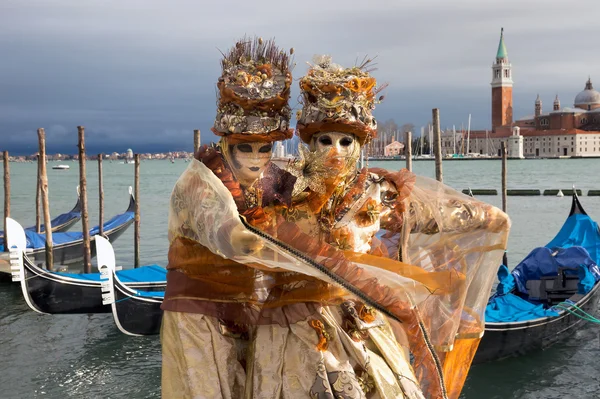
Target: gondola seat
point(551, 290)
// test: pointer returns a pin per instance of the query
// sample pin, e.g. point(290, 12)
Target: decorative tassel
point(321, 333)
point(366, 314)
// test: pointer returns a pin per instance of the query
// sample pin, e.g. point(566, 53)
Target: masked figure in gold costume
point(419, 221)
point(208, 303)
point(274, 293)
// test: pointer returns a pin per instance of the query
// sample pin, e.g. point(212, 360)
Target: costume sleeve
point(439, 229)
point(203, 210)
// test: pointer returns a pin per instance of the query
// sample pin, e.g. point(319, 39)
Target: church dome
point(588, 96)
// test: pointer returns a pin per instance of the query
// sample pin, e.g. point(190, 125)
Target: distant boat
point(128, 161)
point(61, 167)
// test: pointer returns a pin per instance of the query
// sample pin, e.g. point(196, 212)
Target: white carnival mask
point(250, 160)
point(344, 143)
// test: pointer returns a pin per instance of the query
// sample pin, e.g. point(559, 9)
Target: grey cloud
point(141, 73)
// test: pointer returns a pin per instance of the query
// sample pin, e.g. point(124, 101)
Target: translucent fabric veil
point(451, 246)
point(446, 231)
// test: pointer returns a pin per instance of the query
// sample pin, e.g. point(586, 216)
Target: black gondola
point(68, 246)
point(69, 293)
point(62, 222)
point(554, 290)
point(136, 312)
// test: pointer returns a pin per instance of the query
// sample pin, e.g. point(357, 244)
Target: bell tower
point(502, 110)
point(538, 106)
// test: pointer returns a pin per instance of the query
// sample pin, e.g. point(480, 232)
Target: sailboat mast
point(430, 140)
point(454, 139)
point(469, 136)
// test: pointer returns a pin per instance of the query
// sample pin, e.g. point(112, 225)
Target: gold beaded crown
point(338, 99)
point(253, 92)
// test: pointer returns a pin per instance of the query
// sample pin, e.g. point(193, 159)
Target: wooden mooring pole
point(437, 145)
point(45, 200)
point(196, 141)
point(100, 197)
point(504, 189)
point(6, 197)
point(38, 198)
point(408, 150)
point(87, 264)
point(136, 232)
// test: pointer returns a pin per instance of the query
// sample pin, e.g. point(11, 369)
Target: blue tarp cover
point(37, 241)
point(150, 273)
point(60, 219)
point(151, 293)
point(506, 281)
point(579, 230)
point(587, 280)
point(541, 263)
point(511, 308)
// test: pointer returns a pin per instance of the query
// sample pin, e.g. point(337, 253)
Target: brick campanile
point(502, 110)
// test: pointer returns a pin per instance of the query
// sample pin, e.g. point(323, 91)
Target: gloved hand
point(245, 242)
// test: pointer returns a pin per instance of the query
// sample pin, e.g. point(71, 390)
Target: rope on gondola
point(584, 316)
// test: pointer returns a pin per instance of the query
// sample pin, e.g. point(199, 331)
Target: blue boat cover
point(60, 219)
point(587, 280)
point(541, 263)
point(143, 274)
point(37, 241)
point(511, 308)
point(579, 230)
point(57, 221)
point(507, 281)
point(160, 294)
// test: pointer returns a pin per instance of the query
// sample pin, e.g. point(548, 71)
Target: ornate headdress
point(254, 89)
point(338, 99)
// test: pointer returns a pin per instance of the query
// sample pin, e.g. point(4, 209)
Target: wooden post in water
point(38, 197)
point(6, 197)
point(437, 145)
point(196, 140)
point(136, 231)
point(504, 190)
point(45, 201)
point(100, 197)
point(408, 150)
point(87, 264)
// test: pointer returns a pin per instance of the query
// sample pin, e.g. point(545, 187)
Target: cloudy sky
point(142, 74)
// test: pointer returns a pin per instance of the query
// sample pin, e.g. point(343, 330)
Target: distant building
point(563, 132)
point(393, 149)
point(279, 150)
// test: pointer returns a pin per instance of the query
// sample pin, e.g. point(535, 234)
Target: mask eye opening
point(265, 148)
point(325, 140)
point(244, 148)
point(346, 141)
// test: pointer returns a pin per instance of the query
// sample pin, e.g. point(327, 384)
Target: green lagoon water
point(85, 356)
